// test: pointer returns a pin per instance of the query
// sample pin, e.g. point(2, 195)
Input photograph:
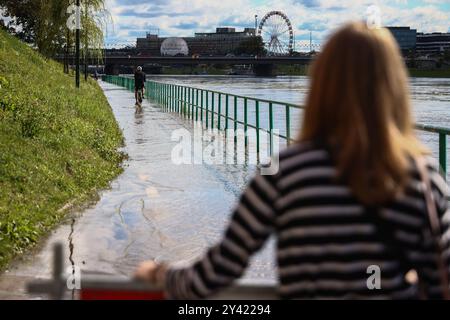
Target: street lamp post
point(256, 34)
point(77, 49)
point(86, 44)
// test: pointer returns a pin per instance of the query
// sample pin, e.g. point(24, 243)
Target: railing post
point(162, 96)
point(212, 109)
point(246, 121)
point(171, 98)
point(257, 125)
point(288, 125)
point(443, 152)
point(172, 107)
point(271, 127)
point(196, 104)
point(166, 96)
point(178, 98)
point(207, 107)
point(180, 101)
point(190, 102)
point(201, 105)
point(226, 110)
point(235, 119)
point(186, 104)
point(147, 91)
point(184, 101)
point(193, 103)
point(169, 105)
point(174, 104)
point(219, 111)
point(175, 98)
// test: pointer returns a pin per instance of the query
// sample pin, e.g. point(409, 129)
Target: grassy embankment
point(58, 145)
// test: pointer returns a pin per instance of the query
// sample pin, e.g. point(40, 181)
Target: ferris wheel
point(276, 31)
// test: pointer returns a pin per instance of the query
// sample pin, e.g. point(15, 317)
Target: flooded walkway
point(154, 210)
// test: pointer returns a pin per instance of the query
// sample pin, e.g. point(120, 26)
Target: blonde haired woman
point(357, 190)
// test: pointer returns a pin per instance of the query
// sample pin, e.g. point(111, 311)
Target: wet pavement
point(154, 210)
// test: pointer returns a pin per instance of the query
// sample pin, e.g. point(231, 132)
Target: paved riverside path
point(154, 210)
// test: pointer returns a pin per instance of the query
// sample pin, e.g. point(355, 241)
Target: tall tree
point(253, 46)
point(95, 20)
point(50, 31)
point(23, 14)
point(43, 23)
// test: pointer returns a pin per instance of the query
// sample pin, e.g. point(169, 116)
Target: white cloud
point(183, 18)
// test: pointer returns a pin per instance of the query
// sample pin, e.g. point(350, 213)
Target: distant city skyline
point(133, 18)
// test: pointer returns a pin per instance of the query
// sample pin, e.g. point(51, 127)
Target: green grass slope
point(57, 145)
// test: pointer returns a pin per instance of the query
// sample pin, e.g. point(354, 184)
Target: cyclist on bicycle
point(139, 83)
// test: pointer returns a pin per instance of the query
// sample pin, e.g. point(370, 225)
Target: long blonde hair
point(359, 106)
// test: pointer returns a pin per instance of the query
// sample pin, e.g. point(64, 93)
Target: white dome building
point(174, 46)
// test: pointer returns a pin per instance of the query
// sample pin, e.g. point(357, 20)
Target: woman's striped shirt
point(326, 240)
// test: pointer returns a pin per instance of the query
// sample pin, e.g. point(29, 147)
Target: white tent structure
point(174, 46)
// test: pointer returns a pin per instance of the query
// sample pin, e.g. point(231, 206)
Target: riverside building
point(222, 42)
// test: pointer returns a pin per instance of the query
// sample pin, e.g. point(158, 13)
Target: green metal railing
point(218, 109)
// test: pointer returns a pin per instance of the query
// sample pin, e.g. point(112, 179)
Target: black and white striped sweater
point(326, 239)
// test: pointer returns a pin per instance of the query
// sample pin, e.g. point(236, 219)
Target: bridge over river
point(262, 65)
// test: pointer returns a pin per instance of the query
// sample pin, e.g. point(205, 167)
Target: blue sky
point(133, 18)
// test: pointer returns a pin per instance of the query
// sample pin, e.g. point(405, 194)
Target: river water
point(430, 99)
point(167, 212)
point(430, 96)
